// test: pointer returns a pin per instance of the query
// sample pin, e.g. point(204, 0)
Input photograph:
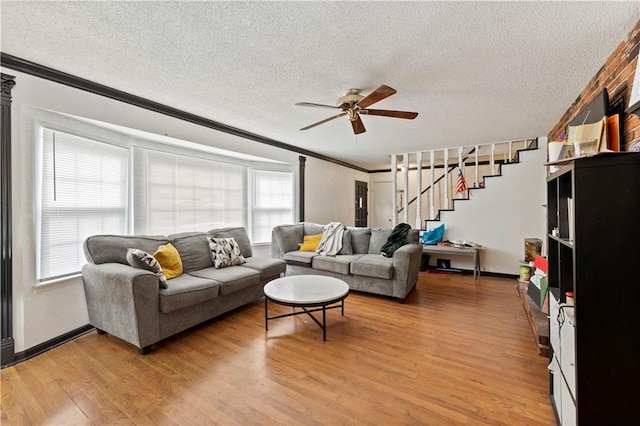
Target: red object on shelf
point(541, 263)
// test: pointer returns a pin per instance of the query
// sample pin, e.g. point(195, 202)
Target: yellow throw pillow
point(310, 242)
point(169, 258)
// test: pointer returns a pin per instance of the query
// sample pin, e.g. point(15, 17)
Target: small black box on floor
point(424, 262)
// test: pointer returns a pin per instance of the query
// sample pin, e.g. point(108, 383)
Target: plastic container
point(525, 272)
point(569, 298)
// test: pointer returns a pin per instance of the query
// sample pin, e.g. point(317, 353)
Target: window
point(271, 204)
point(177, 193)
point(87, 187)
point(83, 192)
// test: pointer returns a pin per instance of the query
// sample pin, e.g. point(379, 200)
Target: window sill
point(58, 280)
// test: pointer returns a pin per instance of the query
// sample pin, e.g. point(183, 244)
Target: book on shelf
point(570, 217)
point(613, 132)
point(586, 133)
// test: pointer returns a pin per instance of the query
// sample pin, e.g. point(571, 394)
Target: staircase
point(437, 180)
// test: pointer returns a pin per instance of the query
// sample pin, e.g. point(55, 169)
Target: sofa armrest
point(406, 265)
point(276, 251)
point(123, 301)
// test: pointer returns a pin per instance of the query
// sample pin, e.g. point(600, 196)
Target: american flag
point(461, 184)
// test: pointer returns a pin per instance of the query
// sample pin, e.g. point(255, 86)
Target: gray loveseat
point(359, 263)
point(127, 302)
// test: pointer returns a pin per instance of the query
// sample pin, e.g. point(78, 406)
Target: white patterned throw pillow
point(225, 252)
point(143, 260)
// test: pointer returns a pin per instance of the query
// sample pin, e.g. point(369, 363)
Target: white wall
point(323, 203)
point(498, 217)
point(45, 312)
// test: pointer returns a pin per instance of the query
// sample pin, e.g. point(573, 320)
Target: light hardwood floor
point(458, 351)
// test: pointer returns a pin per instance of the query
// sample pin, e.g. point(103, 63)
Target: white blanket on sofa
point(331, 241)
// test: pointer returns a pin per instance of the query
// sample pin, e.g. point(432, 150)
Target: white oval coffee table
point(306, 291)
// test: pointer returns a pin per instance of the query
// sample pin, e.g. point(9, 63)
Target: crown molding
point(37, 70)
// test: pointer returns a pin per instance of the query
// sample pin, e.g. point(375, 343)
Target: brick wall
point(616, 75)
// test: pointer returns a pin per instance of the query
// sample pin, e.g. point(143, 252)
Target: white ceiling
point(476, 72)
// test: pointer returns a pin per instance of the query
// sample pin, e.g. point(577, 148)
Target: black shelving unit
point(599, 261)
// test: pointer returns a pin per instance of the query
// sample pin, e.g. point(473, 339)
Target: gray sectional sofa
point(127, 302)
point(359, 263)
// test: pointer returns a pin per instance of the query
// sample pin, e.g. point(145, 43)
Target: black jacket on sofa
point(397, 239)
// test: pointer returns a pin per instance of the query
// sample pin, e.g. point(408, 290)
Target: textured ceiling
point(476, 72)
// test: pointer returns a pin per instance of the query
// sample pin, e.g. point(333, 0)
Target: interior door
point(381, 205)
point(361, 203)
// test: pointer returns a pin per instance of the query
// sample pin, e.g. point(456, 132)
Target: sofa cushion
point(373, 265)
point(289, 237)
point(300, 256)
point(187, 290)
point(347, 247)
point(225, 252)
point(379, 237)
point(239, 234)
point(311, 228)
point(169, 258)
point(338, 264)
point(143, 260)
point(194, 250)
point(231, 279)
point(113, 248)
point(266, 266)
point(360, 238)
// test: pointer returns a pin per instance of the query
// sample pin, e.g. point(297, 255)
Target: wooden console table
point(466, 251)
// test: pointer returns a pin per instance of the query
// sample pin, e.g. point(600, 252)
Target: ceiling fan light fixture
point(350, 98)
point(353, 104)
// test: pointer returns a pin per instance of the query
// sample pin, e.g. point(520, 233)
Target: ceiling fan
point(353, 104)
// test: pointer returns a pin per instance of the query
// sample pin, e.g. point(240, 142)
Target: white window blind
point(83, 193)
point(272, 202)
point(178, 193)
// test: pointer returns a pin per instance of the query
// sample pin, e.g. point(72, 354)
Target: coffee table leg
point(266, 315)
point(324, 322)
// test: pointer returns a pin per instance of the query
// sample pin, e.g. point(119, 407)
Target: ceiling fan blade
point(376, 96)
point(311, 104)
point(389, 113)
point(358, 126)
point(324, 121)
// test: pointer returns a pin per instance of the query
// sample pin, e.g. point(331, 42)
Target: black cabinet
point(594, 203)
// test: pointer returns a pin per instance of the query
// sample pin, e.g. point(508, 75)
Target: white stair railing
point(418, 191)
point(405, 179)
point(432, 167)
point(446, 181)
point(439, 191)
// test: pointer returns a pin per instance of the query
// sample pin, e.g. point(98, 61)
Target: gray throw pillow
point(379, 237)
point(347, 248)
point(143, 260)
point(225, 252)
point(360, 238)
point(289, 237)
